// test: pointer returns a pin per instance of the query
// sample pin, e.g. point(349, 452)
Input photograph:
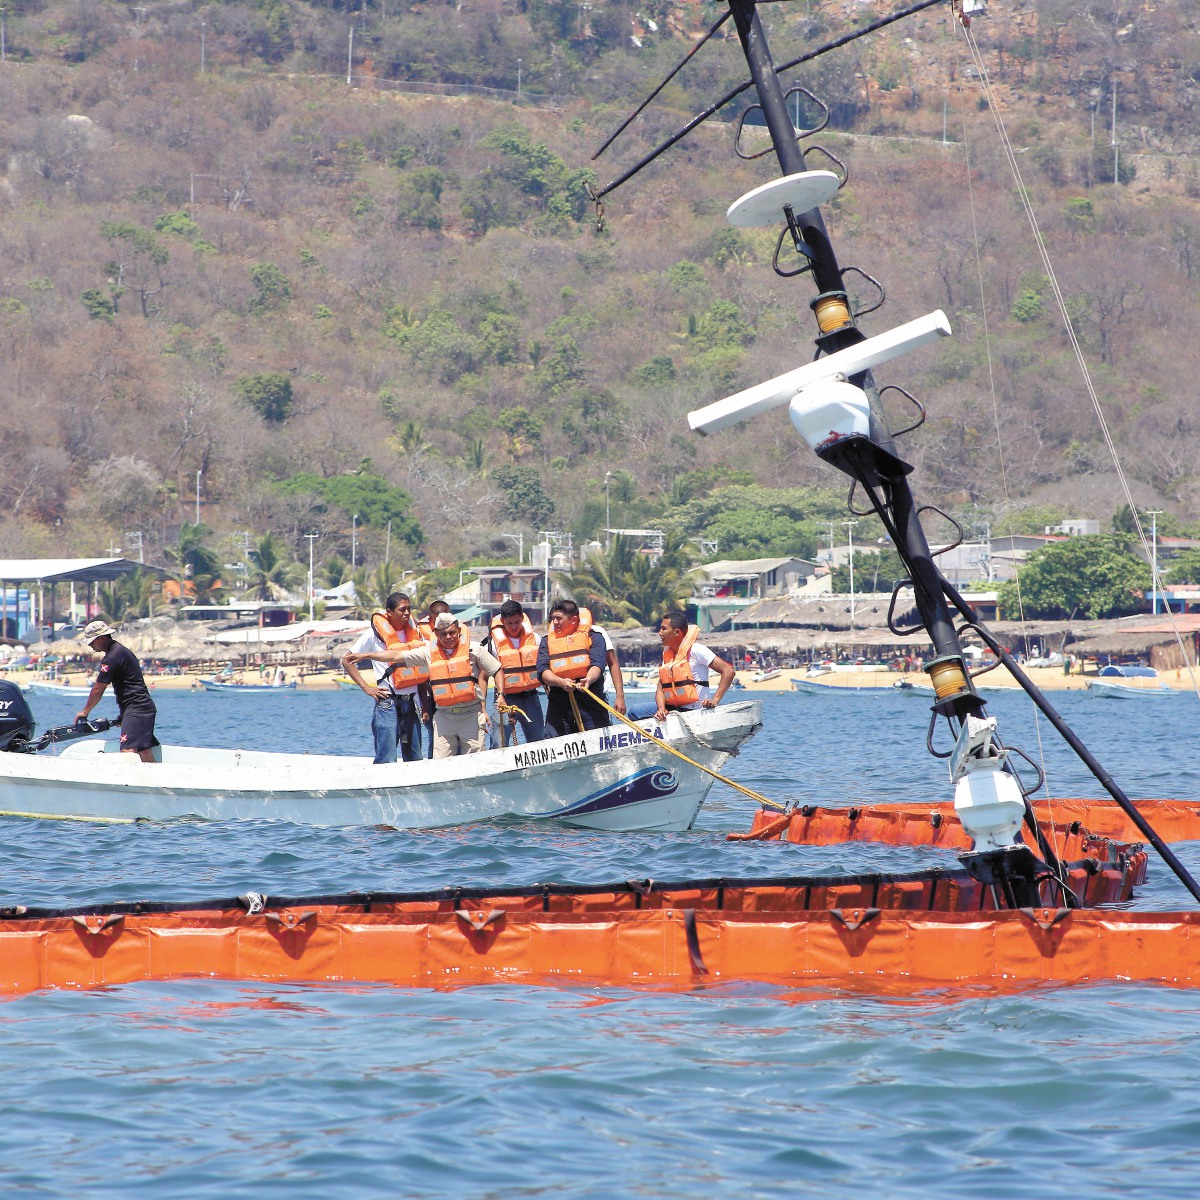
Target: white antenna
point(851, 361)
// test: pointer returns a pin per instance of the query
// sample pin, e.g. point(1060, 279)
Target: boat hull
point(242, 689)
point(56, 689)
point(1107, 689)
point(601, 779)
point(824, 689)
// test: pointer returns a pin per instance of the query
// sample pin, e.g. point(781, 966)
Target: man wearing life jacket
point(516, 646)
point(458, 674)
point(396, 720)
point(425, 626)
point(571, 661)
point(684, 672)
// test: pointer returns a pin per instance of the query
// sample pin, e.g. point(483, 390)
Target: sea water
point(215, 1089)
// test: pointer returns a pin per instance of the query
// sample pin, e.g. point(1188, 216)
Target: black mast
point(837, 331)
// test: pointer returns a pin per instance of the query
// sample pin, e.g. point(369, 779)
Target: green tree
point(373, 585)
point(273, 571)
point(139, 264)
point(1183, 568)
point(874, 571)
point(100, 307)
point(1089, 577)
point(129, 596)
point(195, 561)
point(269, 394)
point(748, 521)
point(419, 198)
point(334, 571)
point(364, 493)
point(272, 287)
point(524, 497)
point(522, 430)
point(622, 584)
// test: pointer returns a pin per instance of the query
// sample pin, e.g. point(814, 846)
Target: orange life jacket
point(425, 629)
point(401, 677)
point(571, 654)
point(675, 674)
point(451, 675)
point(518, 661)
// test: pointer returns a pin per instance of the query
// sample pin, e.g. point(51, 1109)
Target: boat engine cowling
point(17, 725)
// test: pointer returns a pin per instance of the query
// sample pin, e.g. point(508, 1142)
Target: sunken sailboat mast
point(835, 404)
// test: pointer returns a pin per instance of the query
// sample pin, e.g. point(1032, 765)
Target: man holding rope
point(571, 661)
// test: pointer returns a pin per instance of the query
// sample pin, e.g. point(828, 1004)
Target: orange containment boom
point(936, 824)
point(884, 933)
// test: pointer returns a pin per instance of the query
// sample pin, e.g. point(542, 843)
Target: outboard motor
point(16, 718)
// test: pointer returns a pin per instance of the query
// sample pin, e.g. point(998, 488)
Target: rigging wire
point(641, 108)
point(701, 117)
point(1060, 300)
point(991, 373)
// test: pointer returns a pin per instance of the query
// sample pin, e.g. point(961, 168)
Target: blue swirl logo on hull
point(651, 783)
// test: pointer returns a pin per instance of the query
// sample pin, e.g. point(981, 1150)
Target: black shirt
point(120, 668)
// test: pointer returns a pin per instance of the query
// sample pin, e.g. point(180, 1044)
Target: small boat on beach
point(902, 686)
point(47, 687)
point(231, 687)
point(1128, 683)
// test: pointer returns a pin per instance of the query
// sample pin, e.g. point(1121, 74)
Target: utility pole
point(607, 516)
point(354, 541)
point(203, 44)
point(519, 538)
point(198, 474)
point(850, 534)
point(350, 60)
point(1154, 514)
point(1116, 148)
point(311, 538)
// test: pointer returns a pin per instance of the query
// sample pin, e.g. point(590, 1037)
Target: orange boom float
point(877, 933)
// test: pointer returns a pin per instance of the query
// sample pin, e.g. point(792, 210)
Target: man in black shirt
point(121, 668)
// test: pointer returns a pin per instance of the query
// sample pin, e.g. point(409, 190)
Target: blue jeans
point(530, 719)
point(396, 723)
point(643, 710)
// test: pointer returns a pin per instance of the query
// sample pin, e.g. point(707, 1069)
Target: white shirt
point(369, 643)
point(699, 660)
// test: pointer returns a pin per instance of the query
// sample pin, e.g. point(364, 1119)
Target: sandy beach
point(1050, 679)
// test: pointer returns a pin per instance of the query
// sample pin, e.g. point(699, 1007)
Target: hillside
point(304, 302)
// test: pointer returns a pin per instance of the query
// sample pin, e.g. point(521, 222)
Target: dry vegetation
point(257, 273)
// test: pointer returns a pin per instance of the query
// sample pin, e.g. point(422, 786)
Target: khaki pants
point(459, 730)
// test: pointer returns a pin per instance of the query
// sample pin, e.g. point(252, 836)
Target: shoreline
point(1049, 679)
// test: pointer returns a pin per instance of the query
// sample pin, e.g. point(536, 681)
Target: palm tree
point(195, 561)
point(272, 573)
point(622, 584)
point(129, 596)
point(599, 584)
point(334, 572)
point(373, 587)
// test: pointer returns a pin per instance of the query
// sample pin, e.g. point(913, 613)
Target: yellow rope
point(679, 754)
point(575, 707)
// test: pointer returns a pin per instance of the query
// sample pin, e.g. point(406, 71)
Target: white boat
point(604, 779)
point(1120, 683)
point(765, 676)
point(47, 687)
point(902, 686)
point(229, 687)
